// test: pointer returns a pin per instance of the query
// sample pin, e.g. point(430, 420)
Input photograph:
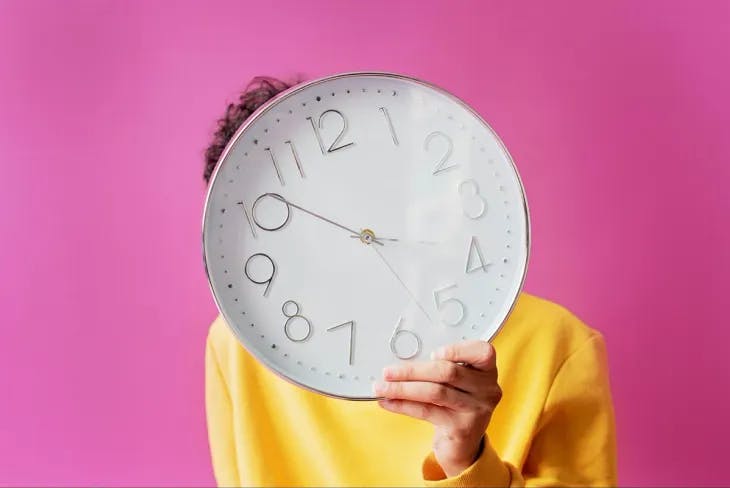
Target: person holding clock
point(530, 407)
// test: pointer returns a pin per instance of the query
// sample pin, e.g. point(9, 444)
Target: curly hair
point(256, 93)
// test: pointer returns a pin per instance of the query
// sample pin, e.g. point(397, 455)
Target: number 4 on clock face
point(475, 259)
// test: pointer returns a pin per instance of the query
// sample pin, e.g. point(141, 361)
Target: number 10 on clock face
point(362, 220)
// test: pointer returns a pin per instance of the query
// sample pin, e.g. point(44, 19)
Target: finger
point(439, 371)
point(476, 353)
point(424, 411)
point(426, 392)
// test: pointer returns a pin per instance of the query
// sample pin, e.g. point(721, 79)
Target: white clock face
point(359, 221)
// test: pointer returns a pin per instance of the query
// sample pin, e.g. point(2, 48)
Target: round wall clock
point(360, 220)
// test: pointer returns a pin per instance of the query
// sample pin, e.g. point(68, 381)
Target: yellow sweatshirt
point(553, 426)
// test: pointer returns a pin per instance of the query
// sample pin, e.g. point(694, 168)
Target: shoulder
point(219, 334)
point(535, 321)
point(222, 342)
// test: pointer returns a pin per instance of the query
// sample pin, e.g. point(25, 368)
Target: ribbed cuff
point(487, 470)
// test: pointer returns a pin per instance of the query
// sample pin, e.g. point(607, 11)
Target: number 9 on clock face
point(361, 220)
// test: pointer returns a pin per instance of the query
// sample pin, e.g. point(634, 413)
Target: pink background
point(616, 113)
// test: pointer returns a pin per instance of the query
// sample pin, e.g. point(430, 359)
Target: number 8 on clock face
point(361, 220)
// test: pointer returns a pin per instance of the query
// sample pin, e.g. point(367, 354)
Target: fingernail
point(438, 353)
point(378, 388)
point(387, 372)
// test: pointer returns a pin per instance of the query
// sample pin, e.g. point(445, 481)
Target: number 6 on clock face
point(413, 343)
point(362, 220)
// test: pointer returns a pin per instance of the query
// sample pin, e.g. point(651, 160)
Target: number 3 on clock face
point(360, 220)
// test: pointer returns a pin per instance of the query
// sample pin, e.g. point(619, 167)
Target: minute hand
point(403, 284)
point(313, 214)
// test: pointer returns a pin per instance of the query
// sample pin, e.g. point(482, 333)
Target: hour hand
point(366, 236)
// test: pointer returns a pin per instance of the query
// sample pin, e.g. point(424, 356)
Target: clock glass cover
point(361, 220)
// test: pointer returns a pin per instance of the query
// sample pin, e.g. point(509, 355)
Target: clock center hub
point(367, 236)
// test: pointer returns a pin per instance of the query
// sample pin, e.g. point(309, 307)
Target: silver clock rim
point(295, 89)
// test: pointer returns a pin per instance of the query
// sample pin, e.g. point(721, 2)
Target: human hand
point(457, 392)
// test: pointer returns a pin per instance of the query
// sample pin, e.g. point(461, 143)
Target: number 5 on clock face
point(360, 220)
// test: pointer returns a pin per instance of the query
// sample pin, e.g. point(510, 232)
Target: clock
point(361, 220)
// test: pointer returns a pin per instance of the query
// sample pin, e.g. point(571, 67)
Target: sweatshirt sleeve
point(219, 418)
point(574, 442)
